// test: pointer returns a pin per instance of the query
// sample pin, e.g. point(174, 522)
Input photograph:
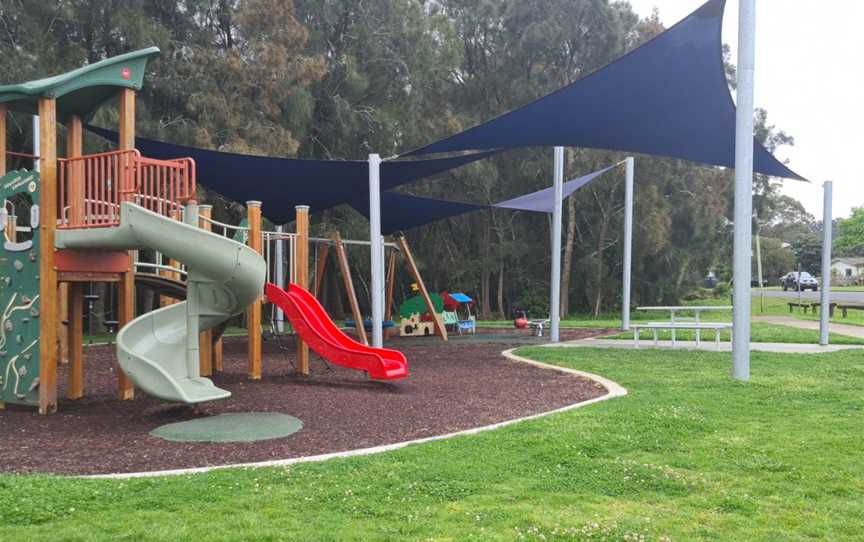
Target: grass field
point(688, 455)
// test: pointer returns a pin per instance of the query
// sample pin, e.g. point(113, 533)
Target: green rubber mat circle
point(235, 427)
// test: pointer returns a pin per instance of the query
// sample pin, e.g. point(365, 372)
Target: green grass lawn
point(688, 455)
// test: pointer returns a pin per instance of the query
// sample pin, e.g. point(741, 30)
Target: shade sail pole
point(628, 241)
point(741, 258)
point(555, 283)
point(825, 297)
point(377, 252)
point(280, 277)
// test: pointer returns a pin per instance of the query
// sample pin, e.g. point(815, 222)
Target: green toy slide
point(159, 350)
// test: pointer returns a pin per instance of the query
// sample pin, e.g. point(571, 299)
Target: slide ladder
point(159, 350)
point(314, 326)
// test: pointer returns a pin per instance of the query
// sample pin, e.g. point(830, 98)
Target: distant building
point(847, 268)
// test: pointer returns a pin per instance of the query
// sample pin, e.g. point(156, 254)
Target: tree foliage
point(850, 234)
point(341, 78)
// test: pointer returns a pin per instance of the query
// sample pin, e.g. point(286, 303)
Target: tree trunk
point(485, 290)
point(501, 312)
point(598, 291)
point(334, 295)
point(567, 266)
point(485, 294)
point(683, 267)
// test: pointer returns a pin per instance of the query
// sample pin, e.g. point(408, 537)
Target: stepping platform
point(234, 427)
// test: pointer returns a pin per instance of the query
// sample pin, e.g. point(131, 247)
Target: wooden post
point(253, 313)
point(62, 323)
point(165, 300)
point(391, 283)
point(440, 330)
point(205, 345)
point(75, 195)
point(126, 138)
point(321, 268)
point(126, 289)
point(75, 188)
point(48, 316)
point(301, 276)
point(217, 355)
point(344, 268)
point(126, 141)
point(2, 139)
point(76, 340)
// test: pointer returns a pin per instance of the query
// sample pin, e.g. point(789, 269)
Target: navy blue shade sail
point(280, 184)
point(543, 201)
point(401, 212)
point(668, 97)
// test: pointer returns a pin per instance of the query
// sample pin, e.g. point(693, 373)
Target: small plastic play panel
point(236, 427)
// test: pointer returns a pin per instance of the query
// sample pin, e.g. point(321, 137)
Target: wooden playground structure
point(83, 192)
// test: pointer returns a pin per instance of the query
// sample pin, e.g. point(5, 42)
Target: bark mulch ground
point(462, 384)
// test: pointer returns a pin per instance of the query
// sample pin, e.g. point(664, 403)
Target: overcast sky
point(810, 78)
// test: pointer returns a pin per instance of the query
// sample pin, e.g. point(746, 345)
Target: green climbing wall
point(19, 290)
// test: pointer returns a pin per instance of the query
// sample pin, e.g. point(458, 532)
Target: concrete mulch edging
point(613, 390)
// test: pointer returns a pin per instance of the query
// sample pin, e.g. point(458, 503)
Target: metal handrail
point(223, 224)
point(162, 267)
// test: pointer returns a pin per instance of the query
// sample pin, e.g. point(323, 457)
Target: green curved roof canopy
point(81, 92)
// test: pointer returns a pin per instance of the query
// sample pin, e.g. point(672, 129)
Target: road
point(809, 295)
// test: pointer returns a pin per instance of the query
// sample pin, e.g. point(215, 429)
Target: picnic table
point(696, 310)
point(678, 322)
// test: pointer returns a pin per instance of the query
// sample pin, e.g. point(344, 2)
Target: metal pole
point(377, 256)
point(743, 247)
point(280, 277)
point(193, 309)
point(759, 270)
point(555, 285)
point(36, 143)
point(628, 242)
point(825, 298)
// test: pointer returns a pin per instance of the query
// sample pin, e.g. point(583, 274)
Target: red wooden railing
point(92, 187)
point(164, 185)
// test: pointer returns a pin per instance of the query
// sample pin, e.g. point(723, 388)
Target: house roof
point(848, 261)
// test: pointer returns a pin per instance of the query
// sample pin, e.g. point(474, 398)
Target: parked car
point(790, 281)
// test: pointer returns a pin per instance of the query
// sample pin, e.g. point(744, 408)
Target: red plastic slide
point(315, 327)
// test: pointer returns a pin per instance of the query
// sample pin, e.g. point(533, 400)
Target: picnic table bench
point(814, 306)
point(717, 327)
point(686, 323)
point(844, 308)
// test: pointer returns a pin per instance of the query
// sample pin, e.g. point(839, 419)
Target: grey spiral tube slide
point(159, 350)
